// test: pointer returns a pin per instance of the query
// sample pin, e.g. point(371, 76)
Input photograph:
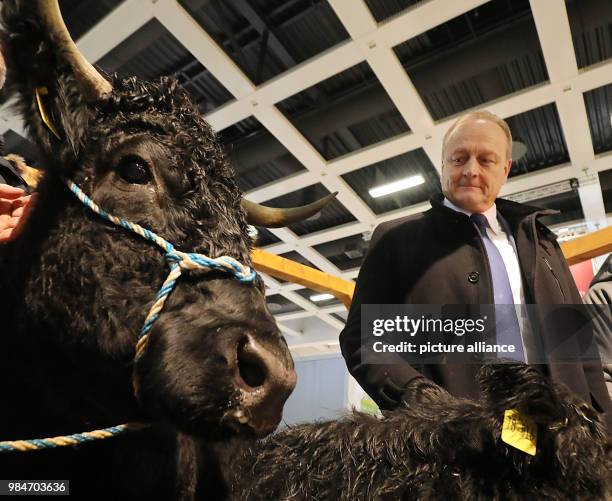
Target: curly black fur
point(75, 290)
point(438, 447)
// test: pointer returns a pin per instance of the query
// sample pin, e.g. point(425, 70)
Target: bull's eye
point(134, 170)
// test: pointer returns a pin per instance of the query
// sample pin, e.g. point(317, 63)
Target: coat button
point(473, 277)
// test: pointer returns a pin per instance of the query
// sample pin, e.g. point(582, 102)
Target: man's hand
point(14, 205)
point(423, 391)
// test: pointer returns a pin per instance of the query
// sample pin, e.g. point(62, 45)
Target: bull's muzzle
point(265, 377)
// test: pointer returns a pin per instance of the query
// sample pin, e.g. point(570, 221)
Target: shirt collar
point(490, 214)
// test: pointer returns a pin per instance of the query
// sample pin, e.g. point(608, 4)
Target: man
point(469, 248)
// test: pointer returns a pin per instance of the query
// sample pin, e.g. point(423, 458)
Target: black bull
point(74, 290)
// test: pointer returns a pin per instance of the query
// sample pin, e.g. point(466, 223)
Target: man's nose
point(470, 168)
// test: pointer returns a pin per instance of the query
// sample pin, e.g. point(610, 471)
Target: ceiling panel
point(257, 156)
point(384, 9)
point(152, 51)
point(82, 15)
point(482, 55)
point(344, 113)
point(541, 132)
point(265, 237)
point(409, 164)
point(591, 25)
point(599, 111)
point(346, 253)
point(265, 38)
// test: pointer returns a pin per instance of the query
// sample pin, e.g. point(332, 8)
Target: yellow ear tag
point(519, 431)
point(42, 91)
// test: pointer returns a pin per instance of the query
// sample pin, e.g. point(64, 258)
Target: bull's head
point(215, 359)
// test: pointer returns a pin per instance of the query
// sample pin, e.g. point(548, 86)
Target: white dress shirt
point(507, 248)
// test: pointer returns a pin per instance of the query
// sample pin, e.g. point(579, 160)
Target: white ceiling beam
point(308, 306)
point(207, 51)
point(552, 24)
point(393, 77)
point(356, 17)
point(195, 39)
point(340, 57)
point(335, 233)
point(277, 124)
point(350, 274)
point(11, 121)
point(403, 212)
point(289, 83)
point(288, 331)
point(282, 186)
point(109, 32)
point(229, 114)
point(377, 152)
point(119, 24)
point(538, 178)
point(331, 342)
point(593, 77)
point(294, 315)
point(592, 202)
point(312, 71)
point(603, 161)
point(300, 148)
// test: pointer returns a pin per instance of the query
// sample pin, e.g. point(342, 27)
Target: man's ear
point(507, 168)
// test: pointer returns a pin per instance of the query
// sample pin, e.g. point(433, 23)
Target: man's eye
point(134, 170)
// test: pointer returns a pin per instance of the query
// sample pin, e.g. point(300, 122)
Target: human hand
point(14, 206)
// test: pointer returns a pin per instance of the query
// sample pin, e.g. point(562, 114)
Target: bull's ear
point(519, 386)
point(55, 84)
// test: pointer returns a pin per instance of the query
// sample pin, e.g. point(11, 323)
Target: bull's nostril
point(251, 368)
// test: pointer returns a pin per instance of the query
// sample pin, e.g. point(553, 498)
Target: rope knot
point(173, 256)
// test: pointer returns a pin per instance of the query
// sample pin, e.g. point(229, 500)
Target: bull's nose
point(265, 378)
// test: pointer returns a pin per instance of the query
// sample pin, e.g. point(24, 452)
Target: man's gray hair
point(484, 115)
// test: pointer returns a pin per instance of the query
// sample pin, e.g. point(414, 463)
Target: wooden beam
point(589, 246)
point(286, 269)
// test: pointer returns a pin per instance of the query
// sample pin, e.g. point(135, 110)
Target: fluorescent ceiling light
point(402, 184)
point(321, 297)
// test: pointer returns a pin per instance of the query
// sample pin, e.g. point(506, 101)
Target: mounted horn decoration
point(93, 84)
point(269, 217)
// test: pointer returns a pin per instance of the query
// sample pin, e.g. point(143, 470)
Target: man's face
point(475, 165)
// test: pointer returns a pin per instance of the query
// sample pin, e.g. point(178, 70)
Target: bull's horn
point(93, 84)
point(269, 217)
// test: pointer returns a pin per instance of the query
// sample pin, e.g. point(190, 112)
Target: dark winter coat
point(600, 296)
point(437, 257)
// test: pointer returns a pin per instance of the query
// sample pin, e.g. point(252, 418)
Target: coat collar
point(512, 212)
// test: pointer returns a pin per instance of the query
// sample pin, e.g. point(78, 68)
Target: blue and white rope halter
point(178, 261)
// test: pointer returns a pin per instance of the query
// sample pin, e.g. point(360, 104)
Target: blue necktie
point(506, 322)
